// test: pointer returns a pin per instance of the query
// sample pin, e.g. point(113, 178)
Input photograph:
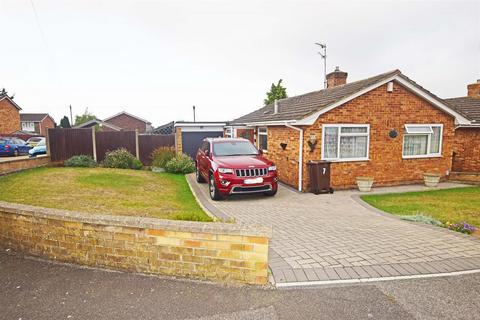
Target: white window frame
point(262, 134)
point(340, 134)
point(429, 140)
point(28, 126)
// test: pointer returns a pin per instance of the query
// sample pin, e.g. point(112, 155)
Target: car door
point(205, 161)
point(22, 147)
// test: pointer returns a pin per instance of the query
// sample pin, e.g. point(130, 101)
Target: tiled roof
point(468, 107)
point(299, 107)
point(32, 117)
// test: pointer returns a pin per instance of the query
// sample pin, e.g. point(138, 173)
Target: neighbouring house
point(101, 125)
point(466, 147)
point(9, 114)
point(36, 123)
point(387, 127)
point(128, 121)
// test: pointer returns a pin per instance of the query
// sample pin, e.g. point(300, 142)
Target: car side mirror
point(207, 153)
point(260, 151)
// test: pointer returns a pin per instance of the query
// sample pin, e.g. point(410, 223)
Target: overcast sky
point(156, 59)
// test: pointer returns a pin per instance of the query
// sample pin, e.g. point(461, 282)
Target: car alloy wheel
point(212, 188)
point(198, 176)
point(15, 153)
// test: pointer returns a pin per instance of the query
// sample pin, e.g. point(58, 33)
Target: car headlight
point(272, 168)
point(225, 170)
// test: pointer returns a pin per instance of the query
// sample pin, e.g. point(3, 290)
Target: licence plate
point(253, 181)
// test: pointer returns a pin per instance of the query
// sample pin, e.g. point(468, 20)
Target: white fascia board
point(270, 123)
point(459, 119)
point(200, 124)
point(202, 128)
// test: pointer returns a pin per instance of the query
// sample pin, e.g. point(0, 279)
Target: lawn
point(105, 191)
point(447, 205)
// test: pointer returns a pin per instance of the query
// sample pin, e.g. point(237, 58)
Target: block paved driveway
point(336, 237)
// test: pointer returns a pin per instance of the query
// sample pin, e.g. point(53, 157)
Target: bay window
point(262, 138)
point(422, 140)
point(28, 126)
point(348, 142)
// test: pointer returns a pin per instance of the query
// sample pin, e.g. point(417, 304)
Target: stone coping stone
point(39, 157)
point(137, 222)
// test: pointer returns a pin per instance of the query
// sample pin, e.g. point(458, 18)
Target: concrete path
point(331, 237)
point(40, 290)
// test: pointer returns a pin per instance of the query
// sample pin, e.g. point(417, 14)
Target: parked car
point(234, 166)
point(33, 141)
point(12, 146)
point(40, 148)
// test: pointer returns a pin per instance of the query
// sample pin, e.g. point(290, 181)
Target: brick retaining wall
point(22, 164)
point(211, 251)
point(467, 177)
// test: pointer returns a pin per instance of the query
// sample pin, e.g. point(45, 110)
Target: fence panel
point(112, 140)
point(66, 143)
point(148, 143)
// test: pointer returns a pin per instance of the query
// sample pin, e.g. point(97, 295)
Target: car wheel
point(198, 176)
point(212, 189)
point(271, 193)
point(15, 153)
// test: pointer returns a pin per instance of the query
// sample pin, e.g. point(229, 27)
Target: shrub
point(180, 164)
point(462, 227)
point(80, 161)
point(121, 159)
point(421, 218)
point(161, 156)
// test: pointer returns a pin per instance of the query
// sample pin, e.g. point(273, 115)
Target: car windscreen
point(41, 143)
point(234, 148)
point(35, 139)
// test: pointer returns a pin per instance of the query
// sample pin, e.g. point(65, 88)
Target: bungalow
point(387, 127)
point(466, 149)
point(36, 123)
point(128, 121)
point(9, 114)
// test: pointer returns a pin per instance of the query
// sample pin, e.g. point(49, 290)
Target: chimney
point(275, 107)
point(474, 90)
point(336, 78)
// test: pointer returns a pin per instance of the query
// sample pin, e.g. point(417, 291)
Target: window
point(28, 126)
point(262, 138)
point(422, 140)
point(348, 142)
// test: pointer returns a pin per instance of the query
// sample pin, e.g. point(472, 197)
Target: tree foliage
point(277, 92)
point(65, 123)
point(86, 116)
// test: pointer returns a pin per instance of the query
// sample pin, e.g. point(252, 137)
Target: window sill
point(421, 157)
point(347, 160)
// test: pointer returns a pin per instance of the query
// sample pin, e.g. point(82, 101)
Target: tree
point(277, 92)
point(86, 116)
point(65, 123)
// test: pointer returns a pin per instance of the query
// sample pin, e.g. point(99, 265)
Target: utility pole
point(323, 46)
point(193, 113)
point(71, 116)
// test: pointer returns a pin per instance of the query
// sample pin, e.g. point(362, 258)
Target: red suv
point(234, 166)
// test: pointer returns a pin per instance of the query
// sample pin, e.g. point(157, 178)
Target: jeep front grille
point(257, 172)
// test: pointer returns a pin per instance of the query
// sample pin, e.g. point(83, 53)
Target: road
point(38, 289)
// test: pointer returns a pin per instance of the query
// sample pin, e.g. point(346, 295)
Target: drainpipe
point(300, 155)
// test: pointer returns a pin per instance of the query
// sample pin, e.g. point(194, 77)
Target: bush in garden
point(121, 159)
point(161, 156)
point(180, 164)
point(80, 161)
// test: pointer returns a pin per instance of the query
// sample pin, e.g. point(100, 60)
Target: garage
point(189, 135)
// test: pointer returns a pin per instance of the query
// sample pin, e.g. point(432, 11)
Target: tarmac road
point(38, 289)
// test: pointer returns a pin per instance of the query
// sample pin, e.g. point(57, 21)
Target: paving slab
point(335, 234)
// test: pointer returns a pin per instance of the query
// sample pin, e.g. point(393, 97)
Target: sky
point(156, 59)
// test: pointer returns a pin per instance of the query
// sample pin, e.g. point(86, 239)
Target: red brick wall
point(467, 150)
point(46, 124)
point(285, 160)
point(384, 111)
point(246, 133)
point(127, 123)
point(10, 117)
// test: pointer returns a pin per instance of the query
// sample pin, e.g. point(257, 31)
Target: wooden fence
point(65, 143)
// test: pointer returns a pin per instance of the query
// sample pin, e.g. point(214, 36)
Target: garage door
point(192, 140)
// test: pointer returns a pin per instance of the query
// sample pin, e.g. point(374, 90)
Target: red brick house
point(466, 147)
point(9, 114)
point(36, 123)
point(128, 121)
point(387, 127)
